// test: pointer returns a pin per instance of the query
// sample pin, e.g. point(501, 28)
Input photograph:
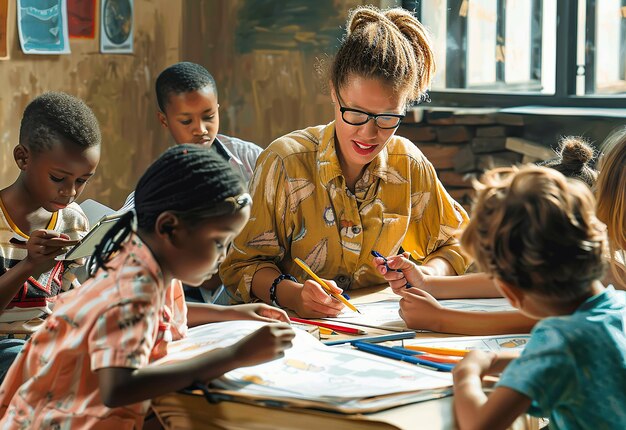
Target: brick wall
point(462, 143)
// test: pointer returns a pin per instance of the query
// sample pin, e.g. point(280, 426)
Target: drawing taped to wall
point(42, 26)
point(116, 26)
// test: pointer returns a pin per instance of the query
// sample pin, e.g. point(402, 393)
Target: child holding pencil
point(536, 233)
point(419, 306)
point(87, 366)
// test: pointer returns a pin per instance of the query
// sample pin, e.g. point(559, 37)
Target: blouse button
point(343, 282)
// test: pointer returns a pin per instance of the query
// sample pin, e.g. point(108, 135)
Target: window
point(512, 52)
point(601, 47)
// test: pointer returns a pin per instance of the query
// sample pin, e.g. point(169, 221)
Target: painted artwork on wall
point(4, 48)
point(81, 16)
point(42, 26)
point(116, 26)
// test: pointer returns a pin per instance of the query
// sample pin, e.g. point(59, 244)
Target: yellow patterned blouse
point(302, 208)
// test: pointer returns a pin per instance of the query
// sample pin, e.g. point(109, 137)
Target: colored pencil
point(379, 255)
point(440, 351)
point(375, 339)
point(387, 352)
point(429, 357)
point(339, 328)
point(317, 279)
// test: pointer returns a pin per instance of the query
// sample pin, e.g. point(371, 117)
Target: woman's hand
point(315, 302)
point(409, 272)
point(257, 312)
point(267, 343)
point(420, 310)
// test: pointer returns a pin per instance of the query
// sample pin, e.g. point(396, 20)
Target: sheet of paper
point(384, 314)
point(42, 26)
point(4, 15)
point(116, 26)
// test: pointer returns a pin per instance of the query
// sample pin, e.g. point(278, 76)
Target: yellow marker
point(317, 279)
point(326, 331)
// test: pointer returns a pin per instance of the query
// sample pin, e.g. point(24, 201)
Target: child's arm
point(475, 285)
point(420, 310)
point(473, 409)
point(123, 386)
point(203, 313)
point(42, 247)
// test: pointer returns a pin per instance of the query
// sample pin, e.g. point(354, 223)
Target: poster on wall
point(4, 22)
point(81, 18)
point(42, 26)
point(116, 26)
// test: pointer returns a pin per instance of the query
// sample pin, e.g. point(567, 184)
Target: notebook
point(101, 218)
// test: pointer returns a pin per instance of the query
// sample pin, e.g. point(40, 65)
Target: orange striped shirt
point(115, 319)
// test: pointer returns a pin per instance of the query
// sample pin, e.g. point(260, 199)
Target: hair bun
point(362, 16)
point(576, 150)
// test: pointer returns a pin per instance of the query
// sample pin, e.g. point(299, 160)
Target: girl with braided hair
point(331, 194)
point(87, 366)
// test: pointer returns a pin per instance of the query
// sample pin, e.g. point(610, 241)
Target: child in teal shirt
point(536, 233)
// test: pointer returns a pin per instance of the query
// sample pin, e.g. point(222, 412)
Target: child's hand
point(43, 246)
point(258, 312)
point(315, 302)
point(420, 310)
point(266, 344)
point(411, 273)
point(475, 363)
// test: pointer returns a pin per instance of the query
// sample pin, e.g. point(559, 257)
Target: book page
point(309, 370)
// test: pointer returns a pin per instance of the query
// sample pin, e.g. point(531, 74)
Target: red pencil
point(335, 327)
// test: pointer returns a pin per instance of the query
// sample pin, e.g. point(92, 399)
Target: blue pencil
point(374, 339)
point(384, 351)
point(378, 254)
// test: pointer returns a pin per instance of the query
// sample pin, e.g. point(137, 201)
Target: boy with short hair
point(188, 107)
point(57, 153)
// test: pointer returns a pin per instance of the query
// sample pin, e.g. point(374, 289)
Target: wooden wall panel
point(119, 88)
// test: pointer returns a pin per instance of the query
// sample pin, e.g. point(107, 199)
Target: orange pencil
point(440, 358)
point(440, 351)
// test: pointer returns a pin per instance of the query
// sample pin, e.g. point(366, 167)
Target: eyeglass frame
point(375, 117)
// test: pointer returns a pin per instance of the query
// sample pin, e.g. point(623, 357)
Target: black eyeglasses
point(385, 121)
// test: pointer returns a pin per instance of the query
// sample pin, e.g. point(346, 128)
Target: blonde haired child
point(611, 196)
point(536, 233)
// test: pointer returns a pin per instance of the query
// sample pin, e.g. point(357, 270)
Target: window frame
point(565, 76)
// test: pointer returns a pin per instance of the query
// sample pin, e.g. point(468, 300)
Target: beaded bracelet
point(273, 298)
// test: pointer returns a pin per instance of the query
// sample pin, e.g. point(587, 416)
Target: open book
point(312, 375)
point(384, 314)
point(101, 219)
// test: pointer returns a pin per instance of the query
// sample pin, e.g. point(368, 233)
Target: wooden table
point(179, 411)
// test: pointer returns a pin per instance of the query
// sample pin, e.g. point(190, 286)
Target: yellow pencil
point(317, 279)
